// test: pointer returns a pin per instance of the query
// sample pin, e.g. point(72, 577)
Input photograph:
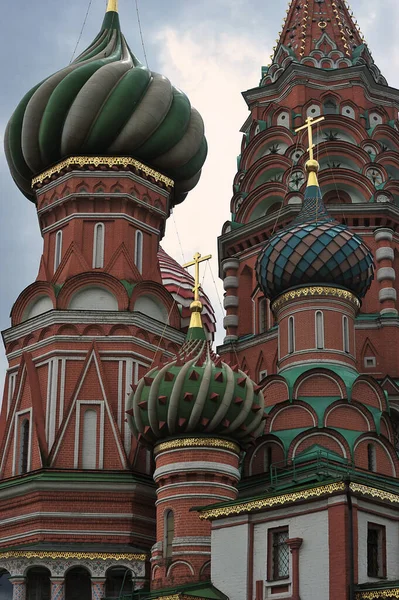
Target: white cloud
point(213, 69)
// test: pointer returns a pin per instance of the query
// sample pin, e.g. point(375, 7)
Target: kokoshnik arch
point(135, 461)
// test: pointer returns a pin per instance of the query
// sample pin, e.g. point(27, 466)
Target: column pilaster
point(385, 271)
point(98, 588)
point(19, 589)
point(57, 588)
point(294, 545)
point(231, 299)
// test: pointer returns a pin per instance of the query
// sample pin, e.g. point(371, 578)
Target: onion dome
point(179, 284)
point(196, 394)
point(107, 103)
point(314, 250)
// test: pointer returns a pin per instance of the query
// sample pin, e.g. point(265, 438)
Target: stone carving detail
point(17, 567)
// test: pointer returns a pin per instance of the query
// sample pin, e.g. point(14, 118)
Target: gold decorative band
point(313, 292)
point(374, 492)
point(197, 443)
point(96, 161)
point(245, 507)
point(78, 555)
point(376, 594)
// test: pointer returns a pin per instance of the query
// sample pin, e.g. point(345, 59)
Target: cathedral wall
point(372, 513)
point(230, 560)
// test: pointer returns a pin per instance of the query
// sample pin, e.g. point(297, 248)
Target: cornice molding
point(98, 161)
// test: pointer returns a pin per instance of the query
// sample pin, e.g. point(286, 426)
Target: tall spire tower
point(322, 34)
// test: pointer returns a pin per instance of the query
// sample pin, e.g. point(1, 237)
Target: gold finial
point(196, 306)
point(312, 166)
point(112, 6)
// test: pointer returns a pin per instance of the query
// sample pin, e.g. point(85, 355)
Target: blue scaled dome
point(314, 250)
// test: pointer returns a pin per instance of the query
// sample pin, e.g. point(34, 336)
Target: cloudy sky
point(212, 49)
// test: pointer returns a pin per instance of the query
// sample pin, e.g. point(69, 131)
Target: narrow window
point(169, 533)
point(138, 253)
point(89, 444)
point(262, 315)
point(330, 107)
point(291, 335)
point(24, 447)
point(279, 554)
point(267, 458)
point(371, 458)
point(98, 246)
point(319, 330)
point(345, 328)
point(58, 250)
point(376, 550)
point(12, 379)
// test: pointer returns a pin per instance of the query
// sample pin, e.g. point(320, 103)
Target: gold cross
point(197, 260)
point(308, 125)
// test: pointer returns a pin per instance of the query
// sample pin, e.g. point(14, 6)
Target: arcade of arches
point(77, 584)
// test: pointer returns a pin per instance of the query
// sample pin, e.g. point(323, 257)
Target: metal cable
point(81, 31)
point(141, 32)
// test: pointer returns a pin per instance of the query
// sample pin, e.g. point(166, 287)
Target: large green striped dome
point(107, 103)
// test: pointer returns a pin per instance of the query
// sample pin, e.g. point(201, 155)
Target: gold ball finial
point(312, 166)
point(196, 306)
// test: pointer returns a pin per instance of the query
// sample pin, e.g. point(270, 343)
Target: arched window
point(268, 455)
point(24, 447)
point(58, 250)
point(291, 335)
point(38, 585)
point(330, 107)
point(78, 584)
point(169, 533)
point(345, 332)
point(262, 315)
point(138, 252)
point(6, 587)
point(371, 458)
point(89, 444)
point(118, 583)
point(98, 246)
point(319, 330)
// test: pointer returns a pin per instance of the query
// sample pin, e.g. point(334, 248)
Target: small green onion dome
point(314, 250)
point(106, 103)
point(196, 393)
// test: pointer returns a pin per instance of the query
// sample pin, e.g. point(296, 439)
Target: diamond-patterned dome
point(314, 250)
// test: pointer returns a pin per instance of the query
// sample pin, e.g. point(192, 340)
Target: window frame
point(138, 250)
point(169, 534)
point(319, 330)
point(272, 564)
point(381, 572)
point(98, 246)
point(58, 250)
point(291, 335)
point(345, 335)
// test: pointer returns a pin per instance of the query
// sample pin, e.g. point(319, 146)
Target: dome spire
point(196, 328)
point(112, 6)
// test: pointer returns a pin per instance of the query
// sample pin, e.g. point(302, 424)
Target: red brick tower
point(105, 148)
point(198, 413)
point(321, 66)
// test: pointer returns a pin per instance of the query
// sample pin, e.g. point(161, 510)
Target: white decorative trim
point(231, 301)
point(174, 486)
point(189, 467)
point(386, 273)
point(288, 408)
point(98, 246)
point(376, 441)
point(383, 234)
point(230, 321)
point(230, 282)
point(194, 497)
point(92, 317)
point(318, 433)
point(387, 294)
point(230, 263)
point(384, 253)
point(103, 216)
point(100, 433)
